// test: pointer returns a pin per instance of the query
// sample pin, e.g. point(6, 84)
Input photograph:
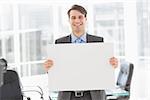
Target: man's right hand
point(48, 64)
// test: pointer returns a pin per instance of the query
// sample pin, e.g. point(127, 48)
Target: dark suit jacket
point(95, 94)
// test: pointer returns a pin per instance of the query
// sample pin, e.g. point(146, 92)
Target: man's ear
point(86, 18)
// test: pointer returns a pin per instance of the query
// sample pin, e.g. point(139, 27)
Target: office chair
point(10, 90)
point(125, 76)
point(124, 80)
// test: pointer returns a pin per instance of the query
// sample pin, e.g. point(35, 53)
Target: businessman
point(77, 19)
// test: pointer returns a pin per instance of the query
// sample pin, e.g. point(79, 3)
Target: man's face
point(77, 21)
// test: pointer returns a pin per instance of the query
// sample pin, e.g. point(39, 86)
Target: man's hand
point(48, 64)
point(114, 62)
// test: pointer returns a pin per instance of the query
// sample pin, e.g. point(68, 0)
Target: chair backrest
point(11, 90)
point(1, 75)
point(125, 76)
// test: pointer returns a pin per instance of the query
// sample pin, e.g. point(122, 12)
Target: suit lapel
point(88, 38)
point(68, 39)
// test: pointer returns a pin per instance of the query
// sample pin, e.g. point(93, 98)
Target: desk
point(115, 93)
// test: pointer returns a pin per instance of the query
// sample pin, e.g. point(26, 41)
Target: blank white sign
point(81, 67)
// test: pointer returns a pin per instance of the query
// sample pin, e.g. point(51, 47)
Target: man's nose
point(77, 20)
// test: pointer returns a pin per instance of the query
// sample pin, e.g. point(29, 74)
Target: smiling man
point(77, 18)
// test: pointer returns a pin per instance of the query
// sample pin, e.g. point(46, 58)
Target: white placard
point(81, 67)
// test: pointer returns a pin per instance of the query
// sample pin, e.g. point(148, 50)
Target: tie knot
point(79, 40)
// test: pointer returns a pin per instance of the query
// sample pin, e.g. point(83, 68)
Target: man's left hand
point(114, 62)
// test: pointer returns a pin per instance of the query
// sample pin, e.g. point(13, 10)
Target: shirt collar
point(73, 37)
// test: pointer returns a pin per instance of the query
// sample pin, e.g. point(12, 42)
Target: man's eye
point(73, 17)
point(80, 17)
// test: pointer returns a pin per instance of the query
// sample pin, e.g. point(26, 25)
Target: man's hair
point(78, 8)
